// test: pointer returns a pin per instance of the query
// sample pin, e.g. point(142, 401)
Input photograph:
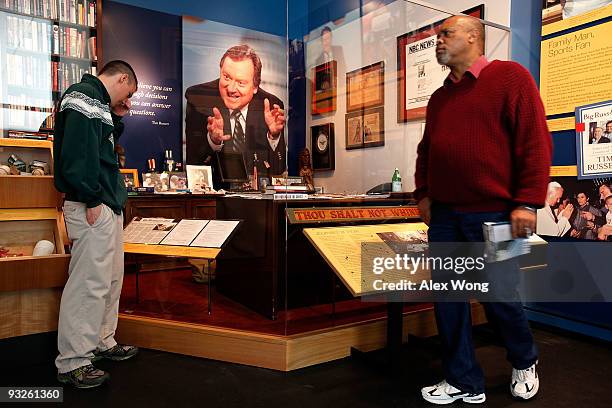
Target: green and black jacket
point(86, 166)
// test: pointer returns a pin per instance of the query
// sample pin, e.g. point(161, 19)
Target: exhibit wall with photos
point(576, 89)
point(364, 46)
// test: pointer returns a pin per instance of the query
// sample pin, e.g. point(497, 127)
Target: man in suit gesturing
point(234, 114)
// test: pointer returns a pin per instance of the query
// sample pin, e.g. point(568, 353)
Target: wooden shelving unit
point(30, 286)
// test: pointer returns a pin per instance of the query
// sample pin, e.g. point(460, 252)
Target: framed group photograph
point(419, 73)
point(324, 88)
point(323, 149)
point(365, 87)
point(365, 128)
point(130, 177)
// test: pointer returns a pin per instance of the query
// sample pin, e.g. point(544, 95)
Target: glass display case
point(324, 110)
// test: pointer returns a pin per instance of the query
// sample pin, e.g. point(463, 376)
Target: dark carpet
point(574, 372)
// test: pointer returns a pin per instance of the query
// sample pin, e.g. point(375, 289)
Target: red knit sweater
point(486, 146)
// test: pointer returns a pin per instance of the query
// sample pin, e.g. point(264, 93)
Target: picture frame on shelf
point(323, 146)
point(199, 178)
point(324, 88)
point(130, 177)
point(177, 180)
point(419, 73)
point(365, 87)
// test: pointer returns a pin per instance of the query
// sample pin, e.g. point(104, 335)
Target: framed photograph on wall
point(323, 149)
point(419, 73)
point(353, 130)
point(130, 177)
point(365, 128)
point(374, 127)
point(365, 87)
point(324, 88)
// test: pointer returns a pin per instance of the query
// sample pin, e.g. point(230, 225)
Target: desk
point(269, 266)
point(208, 254)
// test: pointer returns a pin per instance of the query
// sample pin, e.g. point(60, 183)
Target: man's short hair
point(241, 52)
point(326, 29)
point(119, 67)
point(608, 122)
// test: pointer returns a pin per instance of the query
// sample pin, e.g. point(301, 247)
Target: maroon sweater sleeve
point(532, 145)
point(420, 174)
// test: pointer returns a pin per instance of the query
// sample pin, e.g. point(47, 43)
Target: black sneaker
point(84, 377)
point(116, 353)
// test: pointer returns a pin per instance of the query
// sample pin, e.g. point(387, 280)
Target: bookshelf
point(45, 46)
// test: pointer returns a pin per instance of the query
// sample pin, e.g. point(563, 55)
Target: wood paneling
point(204, 341)
point(284, 353)
point(28, 312)
point(28, 192)
point(31, 272)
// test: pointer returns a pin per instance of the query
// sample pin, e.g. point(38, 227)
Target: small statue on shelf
point(306, 168)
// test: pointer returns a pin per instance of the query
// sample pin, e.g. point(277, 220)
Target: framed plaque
point(324, 88)
point(419, 73)
point(365, 128)
point(323, 151)
point(365, 87)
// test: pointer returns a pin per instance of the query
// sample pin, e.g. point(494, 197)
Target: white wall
point(358, 170)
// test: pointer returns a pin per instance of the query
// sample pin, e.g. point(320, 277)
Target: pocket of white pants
point(104, 214)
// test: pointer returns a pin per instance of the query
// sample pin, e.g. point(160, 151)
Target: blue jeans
point(454, 318)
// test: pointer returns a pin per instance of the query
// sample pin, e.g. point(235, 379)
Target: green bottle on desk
point(396, 182)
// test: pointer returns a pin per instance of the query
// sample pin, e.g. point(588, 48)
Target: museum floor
point(574, 372)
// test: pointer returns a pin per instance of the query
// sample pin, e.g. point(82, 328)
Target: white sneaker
point(525, 383)
point(443, 393)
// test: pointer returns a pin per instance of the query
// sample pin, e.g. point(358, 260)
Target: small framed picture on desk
point(130, 177)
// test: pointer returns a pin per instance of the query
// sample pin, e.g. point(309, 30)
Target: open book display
point(166, 231)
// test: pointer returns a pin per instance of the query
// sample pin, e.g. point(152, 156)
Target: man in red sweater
point(485, 156)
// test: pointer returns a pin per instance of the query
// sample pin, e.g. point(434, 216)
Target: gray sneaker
point(84, 377)
point(116, 353)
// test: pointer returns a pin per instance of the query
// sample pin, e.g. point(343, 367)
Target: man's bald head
point(471, 25)
point(460, 41)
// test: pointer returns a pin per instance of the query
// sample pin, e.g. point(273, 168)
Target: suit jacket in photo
point(201, 99)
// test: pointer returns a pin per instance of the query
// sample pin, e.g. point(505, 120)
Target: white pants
point(90, 301)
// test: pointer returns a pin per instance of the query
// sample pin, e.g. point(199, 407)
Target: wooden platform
point(284, 353)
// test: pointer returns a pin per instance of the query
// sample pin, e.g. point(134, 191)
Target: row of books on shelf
point(28, 71)
point(16, 134)
point(65, 74)
point(70, 11)
point(71, 42)
point(48, 38)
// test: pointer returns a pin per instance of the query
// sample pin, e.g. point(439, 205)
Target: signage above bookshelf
point(45, 46)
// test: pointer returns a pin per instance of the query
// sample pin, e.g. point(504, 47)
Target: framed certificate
point(365, 128)
point(365, 87)
point(419, 73)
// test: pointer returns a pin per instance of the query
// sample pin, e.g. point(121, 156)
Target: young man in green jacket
point(87, 171)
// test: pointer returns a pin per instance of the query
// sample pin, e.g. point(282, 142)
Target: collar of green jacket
point(90, 79)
